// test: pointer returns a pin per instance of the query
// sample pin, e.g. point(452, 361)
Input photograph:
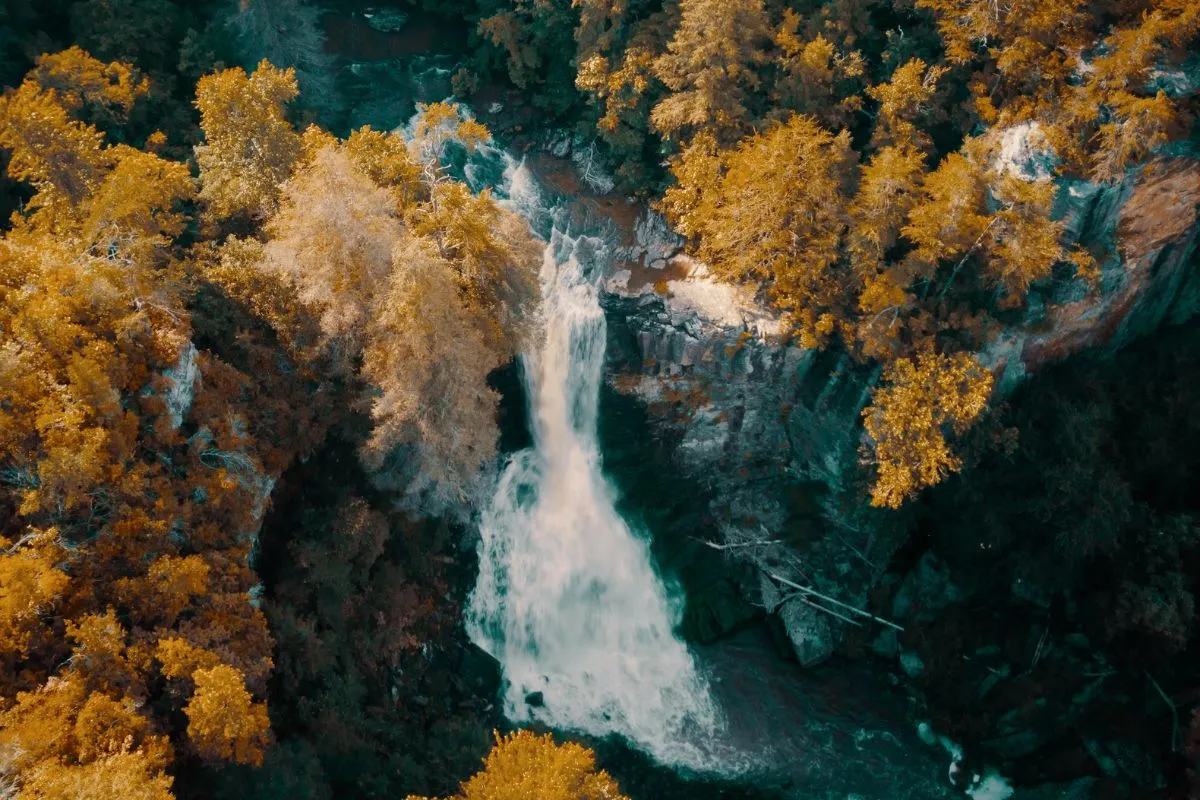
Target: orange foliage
point(223, 722)
point(770, 213)
point(906, 420)
point(524, 765)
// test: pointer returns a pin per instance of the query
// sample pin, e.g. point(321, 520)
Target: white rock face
point(654, 241)
point(183, 377)
point(1025, 153)
point(719, 304)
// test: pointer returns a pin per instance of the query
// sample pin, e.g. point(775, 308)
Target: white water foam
point(567, 598)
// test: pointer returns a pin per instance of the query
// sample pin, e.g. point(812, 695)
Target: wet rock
point(912, 664)
point(385, 20)
point(1126, 761)
point(535, 699)
point(1082, 789)
point(926, 590)
point(886, 644)
point(1078, 641)
point(1012, 746)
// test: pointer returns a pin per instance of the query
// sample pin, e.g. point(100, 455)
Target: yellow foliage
point(82, 81)
point(524, 765)
point(384, 158)
point(171, 584)
point(135, 213)
point(887, 191)
point(494, 258)
point(332, 239)
point(429, 360)
point(1023, 245)
point(100, 654)
point(37, 726)
point(771, 213)
point(223, 721)
point(129, 775)
point(902, 100)
point(909, 416)
point(711, 66)
point(437, 125)
point(30, 585)
point(1137, 126)
point(815, 75)
point(236, 268)
point(249, 146)
point(622, 92)
point(61, 157)
point(180, 659)
point(951, 215)
point(472, 134)
point(106, 727)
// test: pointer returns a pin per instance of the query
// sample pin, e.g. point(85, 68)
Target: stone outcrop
point(772, 433)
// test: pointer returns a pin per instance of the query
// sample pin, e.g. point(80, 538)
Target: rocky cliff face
point(771, 431)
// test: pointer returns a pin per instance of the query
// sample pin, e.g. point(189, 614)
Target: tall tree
point(906, 420)
point(771, 213)
point(523, 765)
point(711, 68)
point(249, 146)
point(288, 34)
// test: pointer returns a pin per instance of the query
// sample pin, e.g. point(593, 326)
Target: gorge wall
point(769, 434)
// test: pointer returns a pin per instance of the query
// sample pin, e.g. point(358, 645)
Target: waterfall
point(567, 598)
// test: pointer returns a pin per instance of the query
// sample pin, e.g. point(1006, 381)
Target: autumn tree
point(951, 216)
point(121, 532)
point(332, 239)
point(60, 742)
point(249, 146)
point(1101, 115)
point(888, 191)
point(61, 157)
point(429, 359)
point(815, 77)
point(223, 721)
point(920, 402)
point(100, 93)
point(770, 213)
point(421, 289)
point(905, 103)
point(711, 66)
point(523, 765)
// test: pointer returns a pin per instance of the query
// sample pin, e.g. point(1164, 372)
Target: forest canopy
point(208, 280)
point(173, 340)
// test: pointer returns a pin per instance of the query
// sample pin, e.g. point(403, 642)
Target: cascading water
point(567, 598)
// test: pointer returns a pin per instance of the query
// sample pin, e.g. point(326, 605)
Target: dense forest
point(255, 365)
